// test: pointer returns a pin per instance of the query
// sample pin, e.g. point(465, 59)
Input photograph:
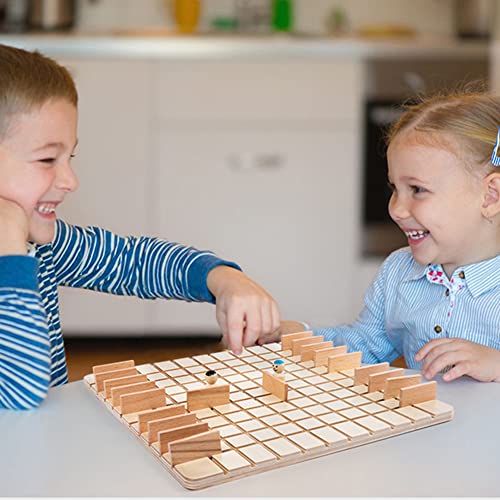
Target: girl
point(437, 302)
point(38, 135)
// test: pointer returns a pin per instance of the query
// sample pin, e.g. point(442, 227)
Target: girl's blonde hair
point(464, 122)
point(27, 81)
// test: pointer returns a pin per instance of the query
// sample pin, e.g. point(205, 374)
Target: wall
point(432, 16)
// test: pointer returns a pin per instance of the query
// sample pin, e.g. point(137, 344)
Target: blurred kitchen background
point(250, 127)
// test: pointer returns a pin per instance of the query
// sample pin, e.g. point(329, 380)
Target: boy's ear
point(491, 202)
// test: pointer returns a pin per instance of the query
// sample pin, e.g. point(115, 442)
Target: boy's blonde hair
point(27, 81)
point(465, 123)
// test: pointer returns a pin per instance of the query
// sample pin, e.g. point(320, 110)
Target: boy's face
point(35, 169)
point(436, 201)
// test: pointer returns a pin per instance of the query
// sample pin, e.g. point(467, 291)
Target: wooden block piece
point(394, 384)
point(376, 381)
point(418, 393)
point(208, 397)
point(286, 340)
point(307, 351)
point(275, 385)
point(145, 400)
point(147, 416)
point(320, 357)
point(297, 344)
point(101, 377)
point(110, 367)
point(117, 392)
point(344, 361)
point(361, 374)
point(201, 468)
point(165, 424)
point(437, 409)
point(193, 446)
point(118, 382)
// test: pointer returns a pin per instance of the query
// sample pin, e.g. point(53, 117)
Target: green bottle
point(282, 15)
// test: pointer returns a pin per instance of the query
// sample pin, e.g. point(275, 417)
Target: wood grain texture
point(198, 446)
point(147, 416)
point(307, 351)
point(118, 382)
point(297, 344)
point(418, 393)
point(118, 392)
point(165, 424)
point(286, 340)
point(321, 357)
point(275, 385)
point(110, 367)
point(394, 384)
point(171, 435)
point(145, 400)
point(208, 397)
point(376, 381)
point(101, 377)
point(347, 361)
point(362, 373)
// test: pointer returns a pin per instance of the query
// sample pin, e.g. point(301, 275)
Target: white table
point(72, 446)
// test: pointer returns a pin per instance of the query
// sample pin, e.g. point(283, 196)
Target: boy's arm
point(24, 337)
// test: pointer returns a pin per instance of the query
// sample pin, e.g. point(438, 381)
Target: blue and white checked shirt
point(409, 304)
point(32, 355)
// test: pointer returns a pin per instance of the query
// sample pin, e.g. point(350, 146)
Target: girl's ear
point(491, 202)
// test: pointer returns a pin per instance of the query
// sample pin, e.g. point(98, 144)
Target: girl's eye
point(391, 187)
point(417, 189)
point(48, 160)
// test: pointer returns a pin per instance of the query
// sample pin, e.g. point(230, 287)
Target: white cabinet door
point(112, 165)
point(283, 204)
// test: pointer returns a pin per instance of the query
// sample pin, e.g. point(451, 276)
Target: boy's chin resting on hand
point(456, 357)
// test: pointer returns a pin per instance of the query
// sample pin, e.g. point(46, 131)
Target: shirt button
point(447, 293)
point(461, 275)
point(438, 329)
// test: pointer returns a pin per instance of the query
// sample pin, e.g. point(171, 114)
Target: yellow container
point(186, 15)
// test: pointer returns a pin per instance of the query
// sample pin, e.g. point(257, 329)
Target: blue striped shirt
point(32, 355)
point(409, 304)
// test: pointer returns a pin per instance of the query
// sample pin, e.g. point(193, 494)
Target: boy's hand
point(14, 228)
point(286, 326)
point(245, 311)
point(464, 357)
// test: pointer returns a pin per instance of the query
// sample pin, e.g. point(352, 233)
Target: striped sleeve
point(24, 337)
point(368, 333)
point(149, 268)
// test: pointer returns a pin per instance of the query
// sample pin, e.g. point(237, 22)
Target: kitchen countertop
point(144, 44)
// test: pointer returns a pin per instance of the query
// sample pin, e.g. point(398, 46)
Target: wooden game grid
point(324, 413)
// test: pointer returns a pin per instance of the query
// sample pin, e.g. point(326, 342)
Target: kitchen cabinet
point(257, 161)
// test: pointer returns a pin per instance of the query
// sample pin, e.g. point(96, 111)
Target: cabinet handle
point(258, 161)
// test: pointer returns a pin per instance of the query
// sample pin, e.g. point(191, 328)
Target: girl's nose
point(66, 178)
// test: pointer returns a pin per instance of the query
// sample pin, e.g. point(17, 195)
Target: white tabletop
point(72, 446)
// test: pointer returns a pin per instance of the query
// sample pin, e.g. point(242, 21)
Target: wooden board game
point(209, 420)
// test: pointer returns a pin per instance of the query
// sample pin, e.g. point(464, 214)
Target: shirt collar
point(479, 277)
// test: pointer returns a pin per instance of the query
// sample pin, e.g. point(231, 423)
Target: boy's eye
point(391, 187)
point(417, 189)
point(47, 160)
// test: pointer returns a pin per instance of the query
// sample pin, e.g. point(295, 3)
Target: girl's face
point(35, 164)
point(437, 203)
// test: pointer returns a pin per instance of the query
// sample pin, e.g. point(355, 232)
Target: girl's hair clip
point(495, 159)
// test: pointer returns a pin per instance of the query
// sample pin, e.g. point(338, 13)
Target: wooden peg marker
point(361, 374)
point(119, 382)
point(145, 400)
point(286, 340)
point(394, 384)
point(275, 385)
point(376, 381)
point(166, 437)
point(415, 394)
point(344, 361)
point(165, 424)
point(100, 378)
point(208, 397)
point(321, 357)
point(110, 367)
point(147, 416)
point(307, 351)
point(297, 344)
point(202, 445)
point(118, 392)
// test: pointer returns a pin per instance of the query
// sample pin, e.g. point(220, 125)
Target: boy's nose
point(66, 178)
point(397, 208)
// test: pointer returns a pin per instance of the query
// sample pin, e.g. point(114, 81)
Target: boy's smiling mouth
point(416, 235)
point(47, 208)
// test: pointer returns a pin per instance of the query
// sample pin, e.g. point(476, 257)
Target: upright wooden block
point(101, 377)
point(362, 373)
point(208, 397)
point(307, 351)
point(415, 394)
point(376, 381)
point(206, 444)
point(394, 384)
point(344, 361)
point(118, 382)
point(110, 367)
point(286, 340)
point(275, 385)
point(118, 392)
point(321, 357)
point(165, 424)
point(145, 400)
point(166, 437)
point(297, 344)
point(149, 415)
